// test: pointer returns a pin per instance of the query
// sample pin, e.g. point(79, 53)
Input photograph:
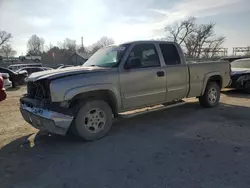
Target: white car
point(31, 57)
point(6, 81)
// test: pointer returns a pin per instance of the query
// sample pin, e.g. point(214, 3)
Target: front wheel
point(211, 96)
point(93, 120)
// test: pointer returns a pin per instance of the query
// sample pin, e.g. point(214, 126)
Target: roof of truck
point(148, 41)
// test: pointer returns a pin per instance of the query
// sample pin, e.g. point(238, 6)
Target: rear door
point(145, 85)
point(176, 71)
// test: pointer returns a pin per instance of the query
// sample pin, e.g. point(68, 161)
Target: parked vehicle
point(233, 58)
point(3, 94)
point(64, 66)
point(31, 70)
point(19, 66)
point(240, 74)
point(15, 78)
point(30, 57)
point(47, 68)
point(6, 81)
point(116, 79)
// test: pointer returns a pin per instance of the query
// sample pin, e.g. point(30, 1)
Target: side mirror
point(133, 63)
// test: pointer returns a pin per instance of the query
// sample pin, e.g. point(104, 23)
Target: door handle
point(160, 73)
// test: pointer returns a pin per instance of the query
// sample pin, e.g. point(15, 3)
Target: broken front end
point(38, 110)
point(241, 81)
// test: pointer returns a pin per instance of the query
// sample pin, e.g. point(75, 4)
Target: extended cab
point(85, 99)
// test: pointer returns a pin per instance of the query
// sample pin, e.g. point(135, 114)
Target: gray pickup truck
point(84, 100)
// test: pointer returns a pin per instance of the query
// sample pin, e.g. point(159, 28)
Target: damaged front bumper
point(240, 81)
point(45, 118)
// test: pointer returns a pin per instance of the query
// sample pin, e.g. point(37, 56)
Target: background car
point(64, 66)
point(2, 89)
point(6, 81)
point(19, 66)
point(31, 70)
point(15, 78)
point(30, 57)
point(47, 68)
point(240, 74)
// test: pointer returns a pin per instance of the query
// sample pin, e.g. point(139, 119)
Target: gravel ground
point(186, 146)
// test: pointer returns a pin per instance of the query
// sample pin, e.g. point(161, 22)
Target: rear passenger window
point(147, 53)
point(170, 54)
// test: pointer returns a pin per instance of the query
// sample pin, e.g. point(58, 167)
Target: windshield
point(107, 57)
point(241, 64)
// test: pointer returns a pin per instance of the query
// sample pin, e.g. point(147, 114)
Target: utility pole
point(82, 41)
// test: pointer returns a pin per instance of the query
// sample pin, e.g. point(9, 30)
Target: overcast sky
point(127, 20)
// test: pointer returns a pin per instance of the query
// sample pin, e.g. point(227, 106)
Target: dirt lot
point(187, 146)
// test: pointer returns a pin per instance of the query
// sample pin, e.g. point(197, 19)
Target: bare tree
point(5, 37)
point(102, 42)
point(94, 48)
point(195, 42)
point(7, 51)
point(203, 41)
point(35, 45)
point(49, 47)
point(82, 49)
point(203, 33)
point(213, 47)
point(105, 41)
point(69, 45)
point(190, 44)
point(179, 31)
point(196, 39)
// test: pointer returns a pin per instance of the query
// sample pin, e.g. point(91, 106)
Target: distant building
point(78, 58)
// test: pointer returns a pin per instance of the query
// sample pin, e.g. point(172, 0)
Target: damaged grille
point(38, 90)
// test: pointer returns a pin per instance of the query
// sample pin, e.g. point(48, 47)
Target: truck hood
point(59, 73)
point(237, 71)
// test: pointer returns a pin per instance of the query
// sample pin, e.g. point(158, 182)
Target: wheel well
point(217, 79)
point(105, 95)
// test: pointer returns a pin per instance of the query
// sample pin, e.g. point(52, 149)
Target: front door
point(144, 85)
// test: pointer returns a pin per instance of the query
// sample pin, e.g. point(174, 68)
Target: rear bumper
point(46, 120)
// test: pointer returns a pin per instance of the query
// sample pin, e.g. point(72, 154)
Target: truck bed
point(198, 72)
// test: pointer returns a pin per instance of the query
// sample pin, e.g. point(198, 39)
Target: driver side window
point(147, 54)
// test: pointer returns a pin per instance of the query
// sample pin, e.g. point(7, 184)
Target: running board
point(133, 113)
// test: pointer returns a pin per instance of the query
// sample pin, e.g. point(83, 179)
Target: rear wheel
point(211, 96)
point(93, 120)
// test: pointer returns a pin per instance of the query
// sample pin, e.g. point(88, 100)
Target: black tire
point(205, 100)
point(80, 126)
point(14, 84)
point(247, 87)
